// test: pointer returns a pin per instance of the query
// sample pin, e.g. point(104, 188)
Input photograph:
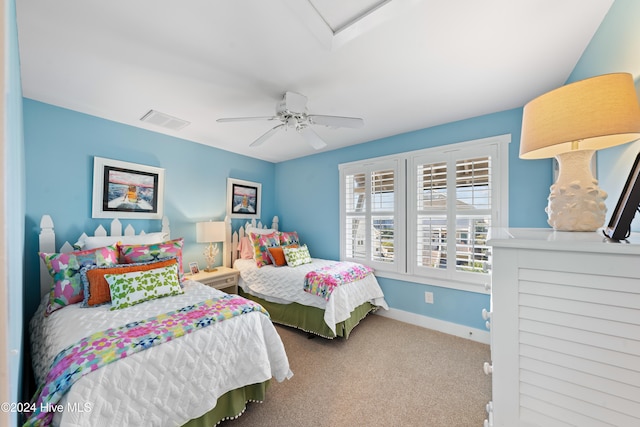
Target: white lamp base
point(210, 254)
point(576, 203)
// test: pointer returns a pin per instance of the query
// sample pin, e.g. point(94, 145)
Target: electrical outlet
point(428, 297)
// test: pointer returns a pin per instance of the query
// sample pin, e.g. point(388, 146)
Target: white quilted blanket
point(284, 285)
point(165, 385)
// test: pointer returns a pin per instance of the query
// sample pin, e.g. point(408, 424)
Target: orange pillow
point(276, 254)
point(99, 287)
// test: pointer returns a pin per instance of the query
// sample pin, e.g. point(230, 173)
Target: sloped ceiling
point(401, 65)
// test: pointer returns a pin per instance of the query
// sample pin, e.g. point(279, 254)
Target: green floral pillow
point(132, 288)
point(297, 256)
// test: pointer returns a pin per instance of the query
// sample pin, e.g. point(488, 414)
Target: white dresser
point(565, 330)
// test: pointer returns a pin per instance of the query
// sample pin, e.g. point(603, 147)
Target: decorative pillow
point(297, 256)
point(289, 238)
point(96, 287)
point(132, 288)
point(65, 268)
point(276, 255)
point(246, 248)
point(154, 252)
point(261, 242)
point(91, 242)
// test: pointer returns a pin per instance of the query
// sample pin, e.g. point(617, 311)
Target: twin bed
point(192, 379)
point(279, 289)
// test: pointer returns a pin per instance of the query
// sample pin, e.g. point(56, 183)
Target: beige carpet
point(387, 373)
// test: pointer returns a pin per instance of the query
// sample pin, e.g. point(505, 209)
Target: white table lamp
point(210, 232)
point(570, 123)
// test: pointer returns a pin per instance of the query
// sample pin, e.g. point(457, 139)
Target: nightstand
point(224, 279)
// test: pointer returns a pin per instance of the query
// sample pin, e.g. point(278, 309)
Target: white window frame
point(367, 168)
point(405, 223)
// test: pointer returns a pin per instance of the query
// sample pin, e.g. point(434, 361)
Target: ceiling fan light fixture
point(292, 122)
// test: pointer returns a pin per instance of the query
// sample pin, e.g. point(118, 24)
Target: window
point(370, 214)
point(427, 213)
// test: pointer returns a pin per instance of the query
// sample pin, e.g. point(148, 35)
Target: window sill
point(434, 281)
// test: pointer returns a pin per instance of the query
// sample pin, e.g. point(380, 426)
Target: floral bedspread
point(102, 348)
point(324, 280)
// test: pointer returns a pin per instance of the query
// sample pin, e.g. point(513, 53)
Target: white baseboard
point(450, 328)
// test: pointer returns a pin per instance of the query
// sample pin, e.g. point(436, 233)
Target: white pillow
point(132, 288)
point(297, 256)
point(93, 242)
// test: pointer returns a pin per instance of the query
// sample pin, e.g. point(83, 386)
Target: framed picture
point(126, 190)
point(243, 198)
point(193, 266)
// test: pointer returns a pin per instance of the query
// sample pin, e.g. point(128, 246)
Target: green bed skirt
point(311, 319)
point(231, 405)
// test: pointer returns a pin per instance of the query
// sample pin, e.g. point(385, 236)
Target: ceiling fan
point(292, 112)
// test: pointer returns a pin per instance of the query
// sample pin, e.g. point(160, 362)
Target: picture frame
point(243, 198)
point(127, 190)
point(619, 226)
point(193, 267)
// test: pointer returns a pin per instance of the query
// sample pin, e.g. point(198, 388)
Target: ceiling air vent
point(166, 121)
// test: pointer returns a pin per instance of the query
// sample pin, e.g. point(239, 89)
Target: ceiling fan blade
point(266, 136)
point(336, 121)
point(312, 138)
point(245, 119)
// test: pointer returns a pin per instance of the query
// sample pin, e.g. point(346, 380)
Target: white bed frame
point(48, 242)
point(233, 238)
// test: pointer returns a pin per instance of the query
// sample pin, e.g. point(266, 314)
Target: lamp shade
point(210, 231)
point(589, 114)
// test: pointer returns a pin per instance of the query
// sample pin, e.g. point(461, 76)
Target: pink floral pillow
point(289, 238)
point(261, 245)
point(155, 252)
point(65, 269)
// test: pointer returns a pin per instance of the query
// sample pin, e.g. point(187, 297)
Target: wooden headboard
point(233, 237)
point(48, 242)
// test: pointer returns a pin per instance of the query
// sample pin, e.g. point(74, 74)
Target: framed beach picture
point(126, 190)
point(243, 198)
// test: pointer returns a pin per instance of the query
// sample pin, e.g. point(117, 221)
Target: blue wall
point(307, 198)
point(60, 145)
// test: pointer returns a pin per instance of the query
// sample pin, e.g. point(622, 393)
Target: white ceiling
point(405, 65)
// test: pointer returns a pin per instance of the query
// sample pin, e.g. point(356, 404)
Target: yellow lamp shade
point(589, 114)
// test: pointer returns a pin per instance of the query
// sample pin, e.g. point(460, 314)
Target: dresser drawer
point(223, 282)
point(224, 279)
